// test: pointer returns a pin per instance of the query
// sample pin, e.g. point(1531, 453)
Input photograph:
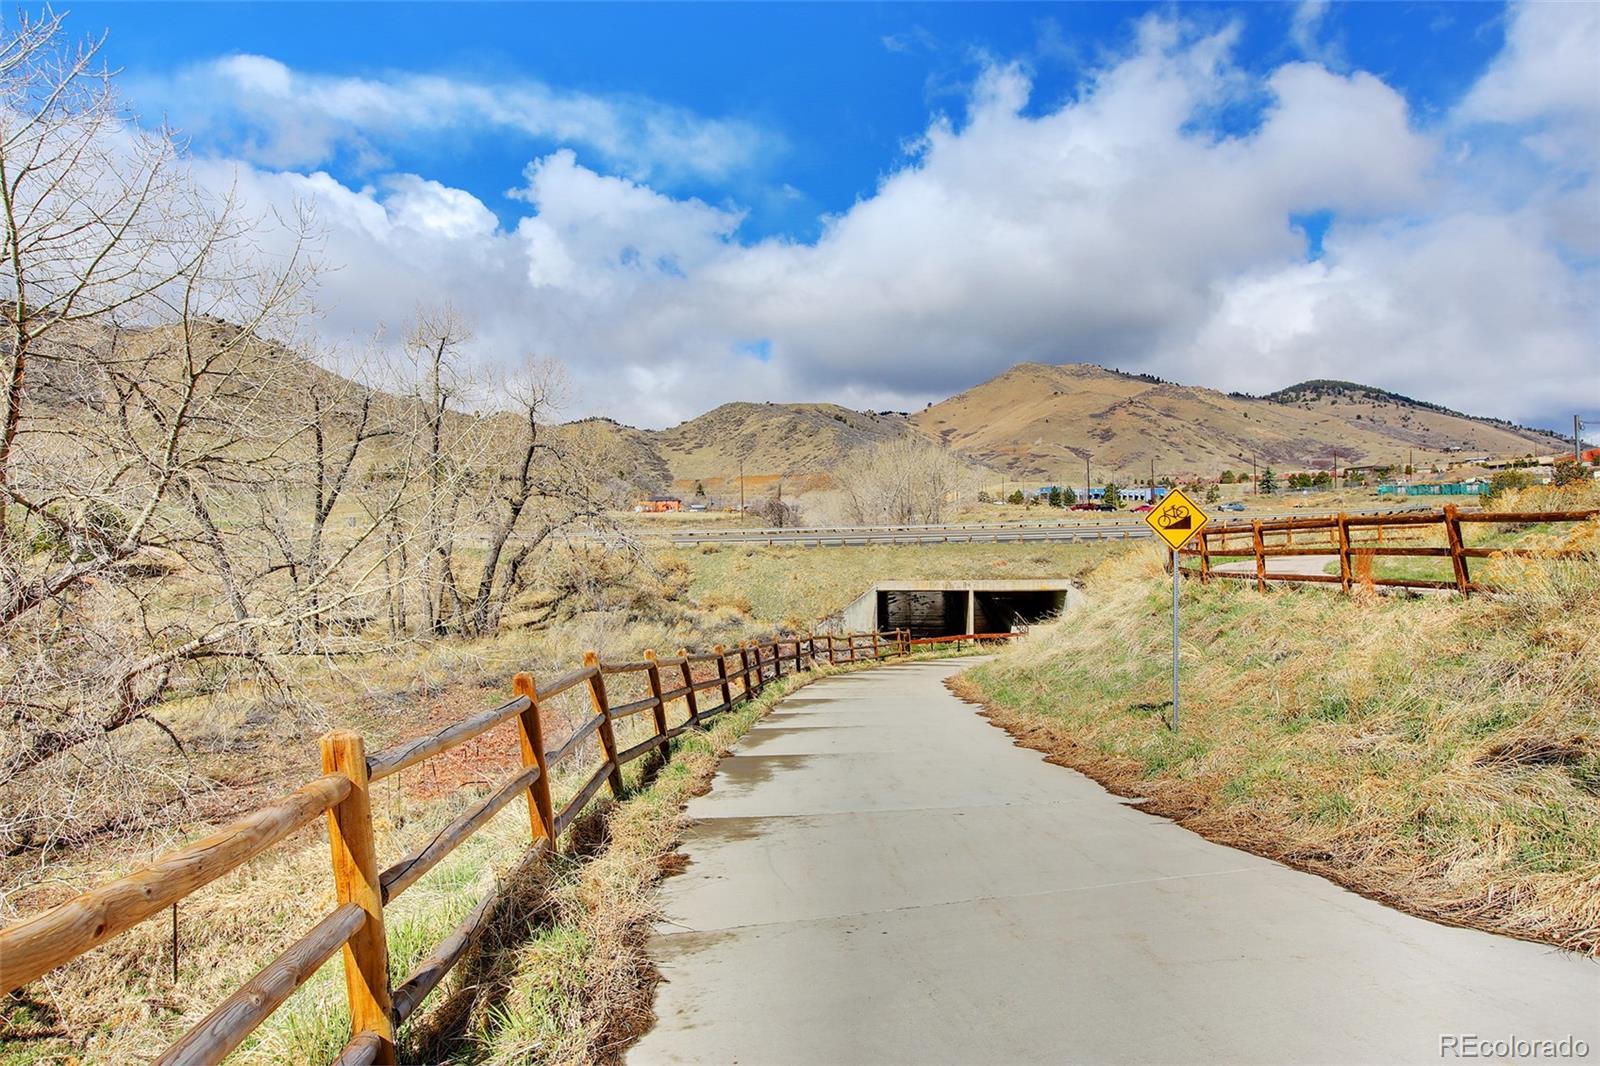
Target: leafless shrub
point(906, 481)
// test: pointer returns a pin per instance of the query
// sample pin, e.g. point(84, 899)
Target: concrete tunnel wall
point(944, 608)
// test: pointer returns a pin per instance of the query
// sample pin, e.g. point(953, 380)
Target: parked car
point(1231, 505)
point(1084, 507)
point(1143, 508)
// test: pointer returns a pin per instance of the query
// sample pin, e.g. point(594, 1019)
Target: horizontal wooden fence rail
point(963, 638)
point(355, 926)
point(1357, 540)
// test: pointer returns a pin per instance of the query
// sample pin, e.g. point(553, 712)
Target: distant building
point(1131, 493)
point(658, 505)
point(1470, 487)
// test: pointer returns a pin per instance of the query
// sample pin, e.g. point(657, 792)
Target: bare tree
point(435, 344)
point(908, 480)
point(778, 512)
point(555, 485)
point(134, 418)
point(98, 217)
point(190, 505)
point(340, 417)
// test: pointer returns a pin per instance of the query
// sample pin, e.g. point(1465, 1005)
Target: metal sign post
point(1176, 519)
point(1175, 577)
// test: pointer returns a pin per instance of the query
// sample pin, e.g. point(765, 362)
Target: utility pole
point(1086, 478)
point(1577, 444)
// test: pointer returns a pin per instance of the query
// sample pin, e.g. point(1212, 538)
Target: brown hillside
point(1041, 421)
point(631, 451)
point(771, 438)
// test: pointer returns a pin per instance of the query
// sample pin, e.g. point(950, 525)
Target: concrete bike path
point(880, 876)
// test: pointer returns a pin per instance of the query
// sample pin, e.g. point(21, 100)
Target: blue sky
point(841, 86)
point(814, 199)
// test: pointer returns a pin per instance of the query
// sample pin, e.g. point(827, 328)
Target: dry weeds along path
point(879, 875)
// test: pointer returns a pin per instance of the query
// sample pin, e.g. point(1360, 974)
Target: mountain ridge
point(1043, 420)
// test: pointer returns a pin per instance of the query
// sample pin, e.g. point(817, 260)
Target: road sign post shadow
point(1175, 520)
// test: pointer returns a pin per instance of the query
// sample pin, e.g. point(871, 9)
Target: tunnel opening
point(948, 612)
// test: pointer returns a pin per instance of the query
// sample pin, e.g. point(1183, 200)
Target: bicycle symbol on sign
point(1175, 517)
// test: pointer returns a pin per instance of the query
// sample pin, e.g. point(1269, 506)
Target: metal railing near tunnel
point(355, 926)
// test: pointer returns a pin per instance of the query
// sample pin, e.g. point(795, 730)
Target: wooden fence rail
point(355, 927)
point(1357, 540)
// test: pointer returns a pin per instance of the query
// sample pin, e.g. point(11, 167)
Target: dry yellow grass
point(1442, 755)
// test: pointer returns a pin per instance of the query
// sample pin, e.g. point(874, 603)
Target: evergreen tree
point(1269, 481)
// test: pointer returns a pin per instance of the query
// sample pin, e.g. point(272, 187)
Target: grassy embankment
point(1439, 754)
point(798, 586)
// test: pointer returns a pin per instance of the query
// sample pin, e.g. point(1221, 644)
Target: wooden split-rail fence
point(1357, 541)
point(35, 946)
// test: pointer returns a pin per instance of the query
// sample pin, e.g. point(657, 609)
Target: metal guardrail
point(953, 533)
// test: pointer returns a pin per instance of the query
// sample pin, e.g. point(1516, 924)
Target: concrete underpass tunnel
point(947, 608)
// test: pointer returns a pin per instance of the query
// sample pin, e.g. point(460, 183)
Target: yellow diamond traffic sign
point(1176, 518)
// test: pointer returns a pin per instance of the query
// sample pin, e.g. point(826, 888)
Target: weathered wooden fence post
point(654, 674)
point(744, 672)
point(875, 653)
point(1261, 559)
point(530, 731)
point(722, 675)
point(1344, 551)
point(1205, 559)
point(1458, 558)
point(355, 880)
point(602, 707)
point(689, 700)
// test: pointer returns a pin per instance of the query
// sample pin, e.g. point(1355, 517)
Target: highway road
point(1120, 527)
point(880, 876)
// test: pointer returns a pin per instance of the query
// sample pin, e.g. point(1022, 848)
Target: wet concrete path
point(880, 876)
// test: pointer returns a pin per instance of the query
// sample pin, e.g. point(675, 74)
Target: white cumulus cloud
point(270, 114)
point(1123, 227)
